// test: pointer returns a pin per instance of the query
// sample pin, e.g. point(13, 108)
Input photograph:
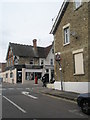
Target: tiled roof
point(28, 50)
point(22, 50)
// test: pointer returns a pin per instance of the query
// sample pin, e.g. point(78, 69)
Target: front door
point(19, 75)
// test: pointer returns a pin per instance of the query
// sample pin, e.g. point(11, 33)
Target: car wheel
point(85, 107)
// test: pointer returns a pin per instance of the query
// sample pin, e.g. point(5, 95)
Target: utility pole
point(58, 59)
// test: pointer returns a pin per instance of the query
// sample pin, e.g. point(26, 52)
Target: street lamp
point(58, 59)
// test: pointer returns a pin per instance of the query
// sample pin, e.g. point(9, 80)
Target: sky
point(21, 21)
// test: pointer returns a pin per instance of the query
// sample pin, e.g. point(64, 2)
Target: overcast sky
point(23, 20)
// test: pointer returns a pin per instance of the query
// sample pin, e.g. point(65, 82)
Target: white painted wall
point(78, 87)
point(49, 57)
point(40, 59)
point(23, 75)
point(9, 80)
point(3, 75)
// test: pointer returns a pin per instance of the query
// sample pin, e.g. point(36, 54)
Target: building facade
point(24, 62)
point(71, 36)
point(2, 70)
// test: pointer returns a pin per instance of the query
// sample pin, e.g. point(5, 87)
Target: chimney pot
point(35, 43)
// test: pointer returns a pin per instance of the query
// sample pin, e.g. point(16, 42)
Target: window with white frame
point(51, 62)
point(77, 3)
point(78, 63)
point(42, 62)
point(66, 35)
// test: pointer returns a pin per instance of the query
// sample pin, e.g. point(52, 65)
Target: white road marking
point(27, 88)
point(32, 96)
point(0, 94)
point(15, 104)
point(27, 94)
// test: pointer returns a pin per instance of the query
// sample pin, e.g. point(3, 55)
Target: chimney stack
point(35, 43)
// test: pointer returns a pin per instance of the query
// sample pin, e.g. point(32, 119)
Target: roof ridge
point(20, 44)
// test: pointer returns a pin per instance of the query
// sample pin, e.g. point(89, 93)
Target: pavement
point(61, 94)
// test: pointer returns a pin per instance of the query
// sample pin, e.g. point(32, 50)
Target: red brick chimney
point(35, 43)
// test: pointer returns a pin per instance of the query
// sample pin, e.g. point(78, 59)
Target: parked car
point(83, 102)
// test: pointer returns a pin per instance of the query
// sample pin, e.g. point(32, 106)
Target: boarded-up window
point(78, 63)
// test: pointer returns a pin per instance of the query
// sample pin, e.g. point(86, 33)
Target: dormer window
point(77, 4)
point(51, 61)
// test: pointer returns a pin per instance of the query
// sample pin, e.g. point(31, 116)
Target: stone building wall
point(23, 60)
point(89, 42)
point(78, 20)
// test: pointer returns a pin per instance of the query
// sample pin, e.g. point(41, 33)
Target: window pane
point(51, 61)
point(66, 35)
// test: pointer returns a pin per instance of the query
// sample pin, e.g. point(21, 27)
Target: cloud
point(30, 1)
point(22, 22)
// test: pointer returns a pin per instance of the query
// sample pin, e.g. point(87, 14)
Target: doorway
point(19, 75)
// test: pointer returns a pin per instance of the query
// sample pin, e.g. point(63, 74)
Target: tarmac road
point(24, 101)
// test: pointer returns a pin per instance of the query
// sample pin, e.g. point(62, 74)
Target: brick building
point(71, 35)
point(24, 62)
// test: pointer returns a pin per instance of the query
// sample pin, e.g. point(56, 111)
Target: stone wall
point(89, 42)
point(23, 60)
point(78, 20)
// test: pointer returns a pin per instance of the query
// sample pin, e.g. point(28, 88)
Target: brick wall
point(78, 20)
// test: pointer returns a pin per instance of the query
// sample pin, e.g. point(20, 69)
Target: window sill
point(78, 74)
point(66, 44)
